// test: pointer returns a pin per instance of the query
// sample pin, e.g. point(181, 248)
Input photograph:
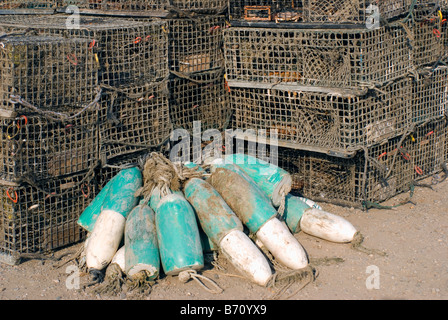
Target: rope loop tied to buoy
point(186, 275)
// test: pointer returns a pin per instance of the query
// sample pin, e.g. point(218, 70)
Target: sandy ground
point(413, 236)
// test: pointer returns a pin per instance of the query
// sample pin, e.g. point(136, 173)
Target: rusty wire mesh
point(27, 5)
point(200, 97)
point(49, 72)
point(196, 45)
point(34, 148)
point(124, 50)
point(314, 11)
point(429, 148)
point(43, 217)
point(340, 122)
point(134, 118)
point(372, 176)
point(147, 7)
point(338, 58)
point(430, 94)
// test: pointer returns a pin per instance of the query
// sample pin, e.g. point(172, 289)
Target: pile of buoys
point(232, 208)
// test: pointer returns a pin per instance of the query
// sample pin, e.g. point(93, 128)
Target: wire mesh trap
point(196, 45)
point(428, 42)
point(430, 94)
point(49, 72)
point(37, 148)
point(314, 11)
point(123, 50)
point(43, 217)
point(202, 97)
point(147, 7)
point(134, 118)
point(338, 58)
point(372, 176)
point(429, 148)
point(321, 121)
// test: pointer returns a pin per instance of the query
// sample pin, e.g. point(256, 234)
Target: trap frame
point(47, 71)
point(134, 118)
point(331, 122)
point(28, 6)
point(41, 218)
point(124, 50)
point(338, 58)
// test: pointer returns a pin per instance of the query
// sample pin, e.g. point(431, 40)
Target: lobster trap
point(429, 148)
point(338, 58)
point(139, 8)
point(372, 176)
point(50, 72)
point(27, 6)
point(124, 51)
point(35, 147)
point(428, 42)
point(315, 11)
point(196, 45)
point(202, 97)
point(134, 118)
point(331, 122)
point(40, 218)
point(430, 94)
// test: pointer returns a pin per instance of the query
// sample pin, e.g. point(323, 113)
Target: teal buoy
point(274, 181)
point(141, 245)
point(178, 235)
point(225, 230)
point(294, 209)
point(156, 197)
point(256, 211)
point(108, 229)
point(215, 217)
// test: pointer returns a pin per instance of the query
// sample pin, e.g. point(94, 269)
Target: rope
point(160, 172)
point(113, 281)
point(356, 244)
point(186, 275)
point(53, 115)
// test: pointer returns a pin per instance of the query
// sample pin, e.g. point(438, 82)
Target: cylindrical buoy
point(257, 213)
point(89, 216)
point(156, 197)
point(294, 209)
point(108, 229)
point(327, 226)
point(140, 241)
point(119, 259)
point(274, 181)
point(178, 235)
point(215, 216)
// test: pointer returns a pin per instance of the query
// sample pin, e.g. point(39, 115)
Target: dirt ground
point(413, 236)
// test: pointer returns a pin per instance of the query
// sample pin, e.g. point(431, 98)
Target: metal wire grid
point(429, 148)
point(430, 95)
point(314, 11)
point(35, 148)
point(196, 45)
point(134, 118)
point(321, 121)
point(200, 97)
point(27, 4)
point(41, 218)
point(140, 7)
point(428, 42)
point(374, 175)
point(343, 58)
point(124, 50)
point(49, 72)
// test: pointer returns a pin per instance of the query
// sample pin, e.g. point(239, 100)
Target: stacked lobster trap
point(49, 140)
point(348, 103)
